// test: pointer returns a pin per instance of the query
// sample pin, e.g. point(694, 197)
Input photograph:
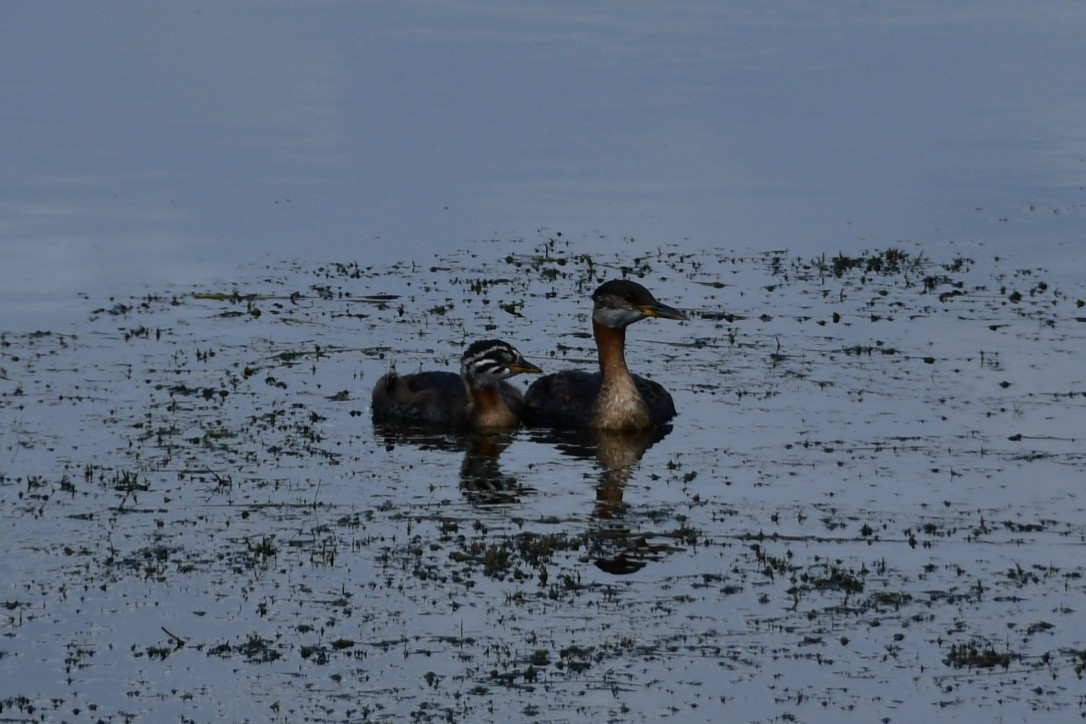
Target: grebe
point(479, 397)
point(611, 399)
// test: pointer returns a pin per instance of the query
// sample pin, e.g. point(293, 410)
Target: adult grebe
point(611, 399)
point(479, 397)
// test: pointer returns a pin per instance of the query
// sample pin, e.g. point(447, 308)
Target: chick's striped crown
point(490, 361)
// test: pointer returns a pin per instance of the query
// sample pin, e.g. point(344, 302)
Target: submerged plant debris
point(870, 504)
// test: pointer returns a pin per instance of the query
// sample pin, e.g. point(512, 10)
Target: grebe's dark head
point(490, 361)
point(620, 302)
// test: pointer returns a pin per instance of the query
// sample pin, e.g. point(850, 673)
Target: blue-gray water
point(162, 141)
point(870, 504)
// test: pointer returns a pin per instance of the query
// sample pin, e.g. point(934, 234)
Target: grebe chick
point(479, 397)
point(611, 399)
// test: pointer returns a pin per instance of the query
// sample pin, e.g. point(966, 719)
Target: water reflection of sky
point(156, 143)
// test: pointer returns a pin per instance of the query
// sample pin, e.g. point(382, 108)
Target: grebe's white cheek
point(493, 377)
point(615, 318)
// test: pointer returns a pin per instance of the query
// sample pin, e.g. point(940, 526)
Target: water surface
point(162, 143)
point(222, 223)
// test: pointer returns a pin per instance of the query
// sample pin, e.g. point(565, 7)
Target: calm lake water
point(157, 142)
point(222, 222)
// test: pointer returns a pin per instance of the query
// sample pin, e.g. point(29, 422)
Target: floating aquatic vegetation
point(871, 493)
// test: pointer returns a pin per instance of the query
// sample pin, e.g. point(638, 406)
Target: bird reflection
point(482, 481)
point(611, 544)
point(614, 548)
